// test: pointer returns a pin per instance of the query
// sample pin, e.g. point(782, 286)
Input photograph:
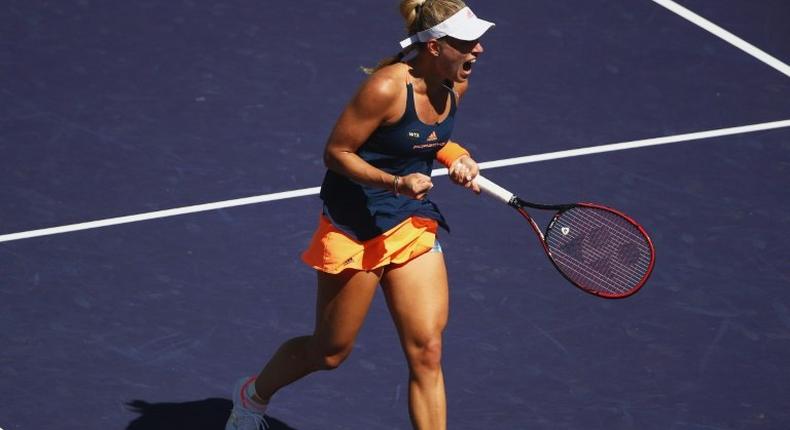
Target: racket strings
point(599, 250)
point(597, 263)
point(608, 268)
point(598, 276)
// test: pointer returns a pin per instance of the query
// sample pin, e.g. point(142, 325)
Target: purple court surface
point(114, 108)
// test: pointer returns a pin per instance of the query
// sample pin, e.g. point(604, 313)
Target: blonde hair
point(420, 15)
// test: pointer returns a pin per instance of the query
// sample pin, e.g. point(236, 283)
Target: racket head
point(600, 250)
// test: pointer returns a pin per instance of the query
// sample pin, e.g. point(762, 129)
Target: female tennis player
point(378, 225)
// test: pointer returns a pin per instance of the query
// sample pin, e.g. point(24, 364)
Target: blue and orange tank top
point(408, 146)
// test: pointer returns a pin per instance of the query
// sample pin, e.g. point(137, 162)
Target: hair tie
point(418, 8)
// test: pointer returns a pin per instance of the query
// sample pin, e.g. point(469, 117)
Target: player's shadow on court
point(209, 414)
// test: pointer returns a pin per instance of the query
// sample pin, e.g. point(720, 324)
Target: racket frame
point(521, 206)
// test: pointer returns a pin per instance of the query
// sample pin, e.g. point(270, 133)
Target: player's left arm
point(461, 166)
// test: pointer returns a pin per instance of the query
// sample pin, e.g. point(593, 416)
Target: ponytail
point(419, 15)
point(397, 58)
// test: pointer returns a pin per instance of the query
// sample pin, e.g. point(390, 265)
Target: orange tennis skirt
point(333, 251)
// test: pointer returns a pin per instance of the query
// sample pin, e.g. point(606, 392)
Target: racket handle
point(494, 190)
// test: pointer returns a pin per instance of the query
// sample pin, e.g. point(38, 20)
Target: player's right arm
point(381, 99)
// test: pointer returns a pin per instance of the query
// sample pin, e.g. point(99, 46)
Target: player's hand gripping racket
point(598, 249)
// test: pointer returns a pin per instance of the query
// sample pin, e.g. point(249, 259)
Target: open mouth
point(468, 65)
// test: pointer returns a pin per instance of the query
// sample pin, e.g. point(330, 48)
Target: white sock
point(249, 396)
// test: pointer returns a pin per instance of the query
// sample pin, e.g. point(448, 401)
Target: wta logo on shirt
point(433, 137)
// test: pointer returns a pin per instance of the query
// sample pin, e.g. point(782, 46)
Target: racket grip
point(493, 189)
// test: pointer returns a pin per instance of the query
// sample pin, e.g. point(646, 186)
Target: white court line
point(727, 36)
point(437, 172)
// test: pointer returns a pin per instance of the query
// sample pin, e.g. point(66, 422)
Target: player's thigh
point(342, 303)
point(418, 298)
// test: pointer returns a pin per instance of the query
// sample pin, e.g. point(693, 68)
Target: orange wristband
point(449, 153)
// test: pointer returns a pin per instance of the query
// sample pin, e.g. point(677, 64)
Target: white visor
point(463, 25)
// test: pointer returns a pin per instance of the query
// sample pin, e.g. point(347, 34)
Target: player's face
point(457, 57)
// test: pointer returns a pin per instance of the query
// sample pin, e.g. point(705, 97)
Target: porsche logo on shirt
point(431, 142)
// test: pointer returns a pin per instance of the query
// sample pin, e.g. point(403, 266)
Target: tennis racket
point(598, 249)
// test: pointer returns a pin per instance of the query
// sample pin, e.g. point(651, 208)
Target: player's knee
point(425, 356)
point(332, 358)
